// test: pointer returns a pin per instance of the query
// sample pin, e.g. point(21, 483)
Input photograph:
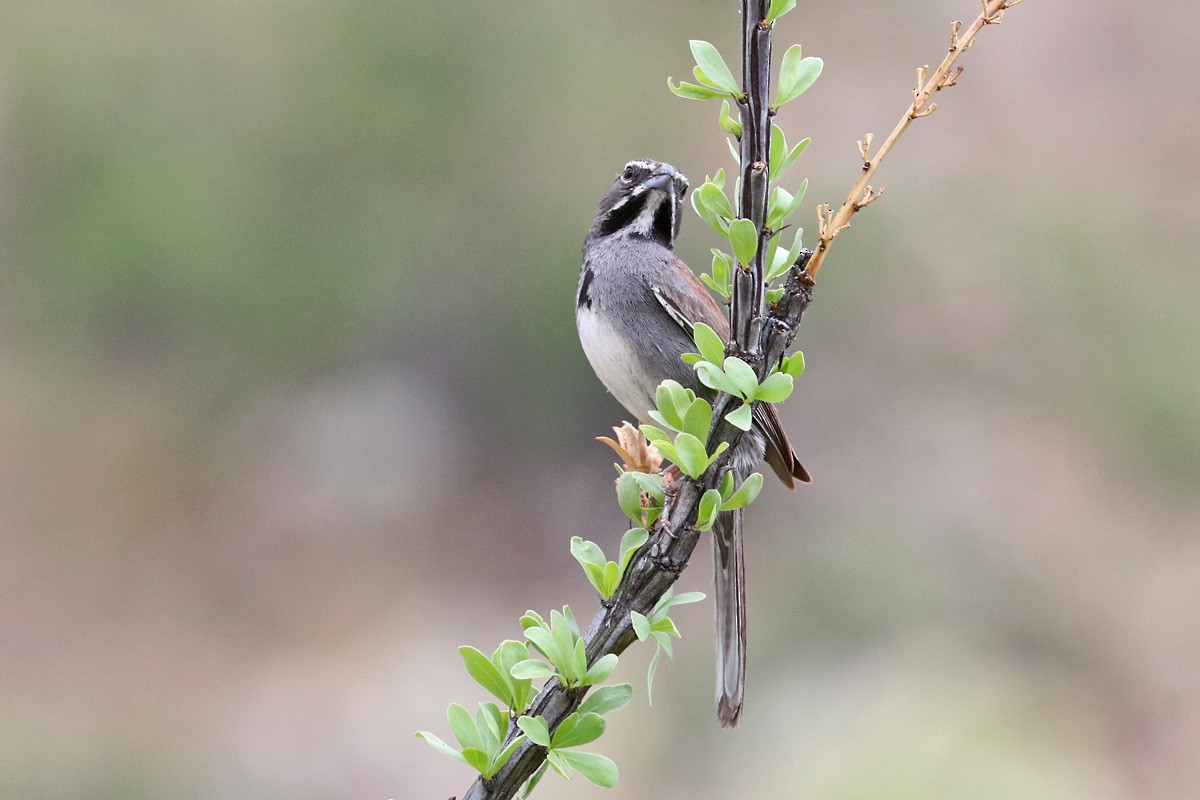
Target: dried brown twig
point(829, 223)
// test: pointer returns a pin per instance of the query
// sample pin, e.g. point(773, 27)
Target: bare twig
point(830, 224)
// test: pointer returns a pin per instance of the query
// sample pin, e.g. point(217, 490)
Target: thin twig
point(830, 224)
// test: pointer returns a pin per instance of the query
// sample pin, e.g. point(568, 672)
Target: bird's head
point(645, 201)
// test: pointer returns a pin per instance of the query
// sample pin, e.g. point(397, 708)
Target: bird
point(635, 309)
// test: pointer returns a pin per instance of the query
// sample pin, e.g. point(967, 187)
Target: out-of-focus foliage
point(285, 325)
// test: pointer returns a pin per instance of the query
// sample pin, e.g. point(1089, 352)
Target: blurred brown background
point(292, 403)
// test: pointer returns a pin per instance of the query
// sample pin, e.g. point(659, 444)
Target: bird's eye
point(627, 175)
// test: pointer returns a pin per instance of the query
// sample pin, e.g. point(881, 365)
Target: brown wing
point(699, 306)
point(696, 305)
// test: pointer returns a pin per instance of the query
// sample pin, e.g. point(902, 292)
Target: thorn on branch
point(954, 29)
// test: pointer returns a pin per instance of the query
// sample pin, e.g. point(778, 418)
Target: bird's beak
point(663, 178)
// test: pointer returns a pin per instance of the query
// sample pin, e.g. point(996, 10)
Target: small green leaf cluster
point(796, 74)
point(481, 738)
point(582, 727)
point(495, 673)
point(732, 375)
point(724, 498)
point(560, 642)
point(659, 628)
point(711, 71)
point(604, 575)
point(640, 495)
point(689, 417)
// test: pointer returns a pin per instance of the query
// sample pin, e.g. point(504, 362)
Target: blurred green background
point(292, 402)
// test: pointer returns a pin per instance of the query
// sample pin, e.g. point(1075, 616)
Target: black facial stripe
point(585, 282)
point(664, 226)
point(618, 218)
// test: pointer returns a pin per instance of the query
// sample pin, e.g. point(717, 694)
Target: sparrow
point(635, 309)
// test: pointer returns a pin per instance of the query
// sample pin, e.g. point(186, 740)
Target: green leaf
point(563, 639)
point(605, 699)
point(698, 418)
point(532, 783)
point(778, 8)
point(535, 728)
point(714, 377)
point(486, 674)
point(641, 625)
point(726, 487)
point(440, 746)
point(708, 281)
point(783, 263)
point(488, 727)
point(555, 760)
point(586, 552)
point(631, 542)
point(713, 198)
point(777, 151)
point(629, 496)
point(579, 665)
point(666, 625)
point(742, 375)
point(728, 123)
point(586, 728)
point(531, 618)
point(710, 504)
point(600, 671)
point(692, 457)
point(775, 389)
point(790, 159)
point(709, 344)
point(653, 485)
point(665, 414)
point(741, 417)
point(655, 435)
point(545, 642)
point(463, 727)
point(794, 364)
point(691, 91)
point(722, 268)
point(709, 215)
point(476, 758)
point(503, 756)
point(507, 656)
point(744, 238)
point(598, 769)
point(664, 641)
point(611, 575)
point(737, 157)
point(531, 669)
point(680, 600)
point(745, 494)
point(650, 676)
point(709, 60)
point(796, 74)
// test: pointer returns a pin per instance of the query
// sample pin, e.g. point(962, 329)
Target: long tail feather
point(730, 595)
